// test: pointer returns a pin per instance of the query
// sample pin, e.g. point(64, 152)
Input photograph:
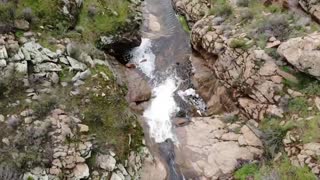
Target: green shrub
point(312, 88)
point(221, 8)
point(239, 43)
point(44, 106)
point(274, 8)
point(246, 171)
point(290, 172)
point(274, 140)
point(274, 133)
point(309, 130)
point(7, 12)
point(246, 15)
point(283, 169)
point(243, 3)
point(298, 105)
point(276, 25)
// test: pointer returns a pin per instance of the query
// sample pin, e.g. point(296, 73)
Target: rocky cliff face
point(52, 126)
point(252, 71)
point(63, 113)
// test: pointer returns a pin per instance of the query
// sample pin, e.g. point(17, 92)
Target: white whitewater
point(144, 58)
point(163, 106)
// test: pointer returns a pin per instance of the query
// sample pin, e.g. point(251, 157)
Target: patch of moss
point(184, 23)
point(309, 129)
point(45, 12)
point(246, 171)
point(109, 16)
point(6, 12)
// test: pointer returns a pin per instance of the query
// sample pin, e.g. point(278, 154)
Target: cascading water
point(144, 58)
point(163, 57)
point(161, 110)
point(163, 106)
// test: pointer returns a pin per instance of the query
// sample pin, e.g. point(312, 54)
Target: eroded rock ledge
point(215, 149)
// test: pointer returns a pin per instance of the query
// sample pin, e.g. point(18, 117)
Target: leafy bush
point(276, 25)
point(309, 130)
point(274, 8)
point(6, 11)
point(288, 171)
point(243, 3)
point(274, 141)
point(283, 169)
point(221, 8)
point(27, 14)
point(239, 43)
point(246, 15)
point(7, 14)
point(274, 133)
point(45, 105)
point(298, 105)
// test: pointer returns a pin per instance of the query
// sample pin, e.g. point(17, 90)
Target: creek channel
point(163, 58)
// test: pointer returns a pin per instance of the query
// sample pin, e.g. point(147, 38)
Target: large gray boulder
point(303, 53)
point(138, 88)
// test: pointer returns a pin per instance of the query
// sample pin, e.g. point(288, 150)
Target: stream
point(163, 58)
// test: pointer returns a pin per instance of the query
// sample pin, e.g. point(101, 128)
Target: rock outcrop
point(312, 7)
point(253, 76)
point(302, 155)
point(215, 149)
point(303, 53)
point(194, 10)
point(209, 88)
point(60, 141)
point(71, 9)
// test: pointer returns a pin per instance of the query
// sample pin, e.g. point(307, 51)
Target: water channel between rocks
point(163, 57)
